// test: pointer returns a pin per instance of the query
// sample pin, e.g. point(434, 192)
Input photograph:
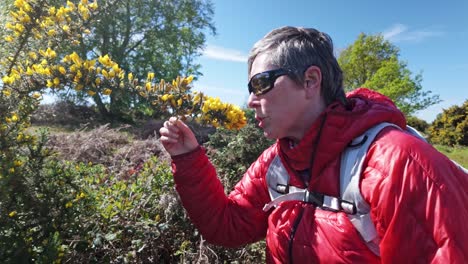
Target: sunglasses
point(262, 83)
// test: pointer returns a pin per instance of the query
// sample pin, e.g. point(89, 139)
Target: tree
point(38, 217)
point(162, 37)
point(371, 61)
point(451, 126)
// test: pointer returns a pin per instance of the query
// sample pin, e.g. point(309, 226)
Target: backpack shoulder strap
point(352, 160)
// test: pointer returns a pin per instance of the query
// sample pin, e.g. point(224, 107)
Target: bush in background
point(418, 124)
point(451, 126)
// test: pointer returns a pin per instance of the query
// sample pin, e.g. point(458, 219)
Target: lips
point(260, 120)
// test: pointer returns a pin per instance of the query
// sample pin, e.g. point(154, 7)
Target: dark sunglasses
point(262, 83)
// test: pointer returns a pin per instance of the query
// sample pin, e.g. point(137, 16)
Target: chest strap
point(323, 201)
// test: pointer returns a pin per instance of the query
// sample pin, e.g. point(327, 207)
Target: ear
point(312, 81)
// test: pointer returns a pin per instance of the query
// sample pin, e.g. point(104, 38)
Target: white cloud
point(220, 53)
point(401, 33)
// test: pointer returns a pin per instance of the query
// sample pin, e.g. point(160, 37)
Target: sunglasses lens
point(260, 83)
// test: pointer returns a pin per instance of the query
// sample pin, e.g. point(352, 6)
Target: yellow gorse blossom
point(12, 213)
point(36, 95)
point(6, 93)
point(14, 117)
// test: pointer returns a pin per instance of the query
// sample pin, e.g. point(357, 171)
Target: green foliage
point(373, 62)
point(163, 37)
point(232, 152)
point(34, 212)
point(417, 123)
point(451, 126)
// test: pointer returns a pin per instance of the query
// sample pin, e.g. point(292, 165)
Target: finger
point(164, 131)
point(171, 127)
point(184, 128)
point(168, 140)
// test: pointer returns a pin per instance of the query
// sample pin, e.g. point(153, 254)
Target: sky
point(432, 37)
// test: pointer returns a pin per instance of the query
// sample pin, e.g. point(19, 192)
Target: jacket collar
point(340, 126)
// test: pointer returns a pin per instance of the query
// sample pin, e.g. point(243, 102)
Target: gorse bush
point(232, 152)
point(58, 210)
point(418, 124)
point(451, 126)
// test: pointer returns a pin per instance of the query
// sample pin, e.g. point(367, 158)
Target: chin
point(269, 135)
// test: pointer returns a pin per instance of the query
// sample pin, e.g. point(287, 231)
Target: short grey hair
point(298, 48)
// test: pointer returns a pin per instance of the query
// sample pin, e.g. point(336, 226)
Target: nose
point(252, 102)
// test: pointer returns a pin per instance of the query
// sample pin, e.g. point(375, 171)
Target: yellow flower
point(6, 93)
point(91, 93)
point(62, 70)
point(11, 170)
point(130, 77)
point(14, 118)
point(8, 79)
point(12, 213)
point(150, 76)
point(8, 38)
point(32, 55)
point(56, 81)
point(97, 81)
point(188, 80)
point(106, 61)
point(52, 11)
point(50, 53)
point(148, 86)
point(93, 6)
point(165, 97)
point(51, 32)
point(179, 102)
point(36, 95)
point(107, 91)
point(29, 71)
point(17, 163)
point(68, 205)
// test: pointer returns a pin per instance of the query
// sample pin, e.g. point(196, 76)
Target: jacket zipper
point(299, 217)
point(293, 234)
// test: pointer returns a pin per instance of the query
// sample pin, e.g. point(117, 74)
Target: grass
point(457, 153)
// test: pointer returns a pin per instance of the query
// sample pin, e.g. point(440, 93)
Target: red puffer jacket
point(418, 198)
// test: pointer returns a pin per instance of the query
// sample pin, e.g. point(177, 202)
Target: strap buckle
point(329, 203)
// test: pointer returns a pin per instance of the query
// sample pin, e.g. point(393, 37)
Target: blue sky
point(432, 37)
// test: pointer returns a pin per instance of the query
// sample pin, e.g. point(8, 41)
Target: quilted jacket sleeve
point(229, 221)
point(418, 201)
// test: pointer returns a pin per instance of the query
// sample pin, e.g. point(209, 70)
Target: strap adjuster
point(313, 198)
point(329, 203)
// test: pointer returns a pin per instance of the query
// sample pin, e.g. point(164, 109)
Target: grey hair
point(297, 48)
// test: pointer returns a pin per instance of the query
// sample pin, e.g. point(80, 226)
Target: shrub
point(451, 126)
point(418, 124)
point(232, 153)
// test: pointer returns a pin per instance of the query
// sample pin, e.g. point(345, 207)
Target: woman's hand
point(177, 138)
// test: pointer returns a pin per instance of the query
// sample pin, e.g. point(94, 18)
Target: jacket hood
point(337, 126)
